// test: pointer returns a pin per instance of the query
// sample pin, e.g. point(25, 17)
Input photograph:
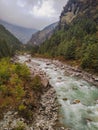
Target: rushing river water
point(78, 98)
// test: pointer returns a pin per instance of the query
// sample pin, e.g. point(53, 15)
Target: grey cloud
point(21, 12)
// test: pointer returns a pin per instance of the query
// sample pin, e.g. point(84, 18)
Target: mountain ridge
point(40, 36)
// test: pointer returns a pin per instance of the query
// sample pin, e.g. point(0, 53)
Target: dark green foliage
point(67, 49)
point(31, 49)
point(36, 83)
point(90, 57)
point(78, 42)
point(5, 50)
point(8, 43)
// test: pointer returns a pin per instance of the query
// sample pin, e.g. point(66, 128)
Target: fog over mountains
point(22, 33)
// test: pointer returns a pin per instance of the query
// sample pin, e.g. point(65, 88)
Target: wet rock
point(65, 99)
point(63, 67)
point(29, 60)
point(46, 67)
point(77, 74)
point(48, 63)
point(96, 79)
point(76, 101)
point(55, 69)
point(74, 88)
point(59, 77)
point(88, 120)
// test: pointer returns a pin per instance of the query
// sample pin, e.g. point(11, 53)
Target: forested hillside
point(22, 33)
point(77, 35)
point(39, 37)
point(8, 43)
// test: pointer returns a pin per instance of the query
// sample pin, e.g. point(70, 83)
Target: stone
point(88, 120)
point(48, 63)
point(96, 79)
point(76, 101)
point(65, 99)
point(59, 77)
point(62, 128)
point(45, 82)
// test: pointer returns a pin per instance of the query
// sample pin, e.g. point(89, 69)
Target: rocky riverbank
point(46, 116)
point(76, 72)
point(45, 113)
point(73, 71)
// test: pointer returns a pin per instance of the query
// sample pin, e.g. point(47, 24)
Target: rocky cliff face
point(39, 37)
point(76, 9)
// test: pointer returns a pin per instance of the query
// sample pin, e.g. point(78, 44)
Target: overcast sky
point(31, 13)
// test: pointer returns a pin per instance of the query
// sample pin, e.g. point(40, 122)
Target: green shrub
point(20, 126)
point(13, 78)
point(22, 71)
point(22, 108)
point(36, 83)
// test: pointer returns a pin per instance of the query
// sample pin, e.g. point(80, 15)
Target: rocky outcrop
point(77, 9)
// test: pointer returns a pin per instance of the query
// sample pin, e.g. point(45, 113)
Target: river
point(78, 99)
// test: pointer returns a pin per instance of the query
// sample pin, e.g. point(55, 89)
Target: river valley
point(78, 99)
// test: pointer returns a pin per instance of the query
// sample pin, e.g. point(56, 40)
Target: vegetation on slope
point(78, 39)
point(8, 43)
point(18, 91)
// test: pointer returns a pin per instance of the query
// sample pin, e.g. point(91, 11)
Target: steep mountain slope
point(8, 43)
point(39, 37)
point(77, 35)
point(79, 9)
point(23, 34)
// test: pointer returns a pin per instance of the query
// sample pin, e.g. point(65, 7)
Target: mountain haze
point(22, 33)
